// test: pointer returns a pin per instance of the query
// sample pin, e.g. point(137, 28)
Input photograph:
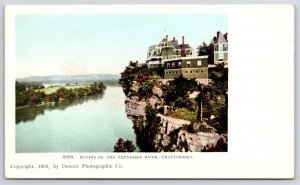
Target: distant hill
point(89, 78)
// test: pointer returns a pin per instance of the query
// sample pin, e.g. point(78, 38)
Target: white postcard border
point(260, 146)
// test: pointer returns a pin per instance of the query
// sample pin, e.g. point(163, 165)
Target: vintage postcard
point(152, 91)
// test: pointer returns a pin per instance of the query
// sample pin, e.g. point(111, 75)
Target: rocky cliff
point(172, 134)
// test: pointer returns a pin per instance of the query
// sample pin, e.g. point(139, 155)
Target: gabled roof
point(172, 43)
point(185, 46)
point(152, 47)
point(220, 38)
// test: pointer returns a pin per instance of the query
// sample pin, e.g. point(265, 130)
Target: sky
point(101, 44)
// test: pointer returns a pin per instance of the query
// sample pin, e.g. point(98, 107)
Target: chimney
point(166, 44)
point(182, 48)
point(215, 39)
point(218, 33)
point(225, 36)
point(173, 39)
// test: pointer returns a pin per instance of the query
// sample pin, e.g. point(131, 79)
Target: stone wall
point(169, 124)
point(198, 141)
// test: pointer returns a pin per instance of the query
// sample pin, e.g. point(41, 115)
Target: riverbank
point(27, 96)
point(39, 105)
point(92, 125)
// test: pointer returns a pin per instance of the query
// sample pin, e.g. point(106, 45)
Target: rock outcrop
point(135, 108)
point(197, 141)
point(172, 134)
point(169, 124)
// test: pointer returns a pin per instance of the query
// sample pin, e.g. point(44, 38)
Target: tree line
point(26, 94)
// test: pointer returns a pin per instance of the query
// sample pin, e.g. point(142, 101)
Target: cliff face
point(135, 108)
point(172, 135)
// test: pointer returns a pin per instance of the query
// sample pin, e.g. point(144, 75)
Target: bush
point(124, 146)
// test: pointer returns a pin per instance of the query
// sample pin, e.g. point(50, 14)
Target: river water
point(92, 125)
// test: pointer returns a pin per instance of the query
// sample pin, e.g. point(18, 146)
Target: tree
point(203, 97)
point(177, 92)
point(203, 49)
point(128, 75)
point(145, 89)
point(147, 131)
point(124, 146)
point(214, 100)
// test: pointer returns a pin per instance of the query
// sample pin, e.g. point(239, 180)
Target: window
point(216, 47)
point(168, 65)
point(199, 63)
point(197, 71)
point(185, 71)
point(221, 47)
point(191, 71)
point(201, 71)
point(225, 46)
point(188, 63)
point(221, 56)
point(179, 64)
point(173, 64)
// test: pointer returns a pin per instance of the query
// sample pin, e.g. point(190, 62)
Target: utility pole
point(201, 112)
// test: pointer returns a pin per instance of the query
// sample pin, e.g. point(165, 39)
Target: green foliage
point(139, 73)
point(145, 89)
point(205, 49)
point(124, 146)
point(219, 74)
point(22, 87)
point(183, 113)
point(146, 132)
point(97, 87)
point(128, 75)
point(158, 71)
point(214, 99)
point(30, 97)
point(176, 93)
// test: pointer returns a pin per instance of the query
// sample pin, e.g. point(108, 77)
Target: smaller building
point(220, 45)
point(189, 67)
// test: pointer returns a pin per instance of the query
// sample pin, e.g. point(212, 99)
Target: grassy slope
point(183, 113)
point(53, 89)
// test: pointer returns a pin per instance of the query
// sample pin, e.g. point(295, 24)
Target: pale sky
point(101, 44)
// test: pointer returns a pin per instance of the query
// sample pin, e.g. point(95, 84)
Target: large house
point(220, 44)
point(165, 50)
point(177, 59)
